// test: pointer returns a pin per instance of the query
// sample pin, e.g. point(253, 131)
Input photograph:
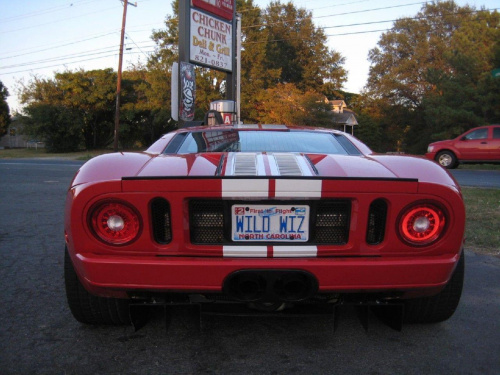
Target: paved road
point(39, 336)
point(477, 178)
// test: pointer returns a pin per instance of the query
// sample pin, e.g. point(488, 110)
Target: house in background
point(343, 117)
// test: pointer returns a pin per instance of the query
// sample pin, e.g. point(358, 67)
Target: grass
point(483, 220)
point(484, 167)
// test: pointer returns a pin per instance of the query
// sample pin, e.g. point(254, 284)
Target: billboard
point(221, 8)
point(211, 41)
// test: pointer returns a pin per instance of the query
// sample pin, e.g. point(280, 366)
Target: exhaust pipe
point(270, 285)
point(294, 287)
point(246, 287)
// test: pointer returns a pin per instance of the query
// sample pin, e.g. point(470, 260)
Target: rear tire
point(447, 159)
point(441, 306)
point(90, 309)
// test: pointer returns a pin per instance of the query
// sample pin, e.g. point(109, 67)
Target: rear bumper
point(114, 276)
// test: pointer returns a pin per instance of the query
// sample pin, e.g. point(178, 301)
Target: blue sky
point(42, 37)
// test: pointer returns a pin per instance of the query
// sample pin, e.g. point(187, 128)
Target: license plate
point(270, 223)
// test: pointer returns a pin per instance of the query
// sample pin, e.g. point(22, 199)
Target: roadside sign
point(211, 41)
point(221, 8)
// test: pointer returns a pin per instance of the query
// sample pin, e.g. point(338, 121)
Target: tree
point(432, 72)
point(268, 47)
point(4, 110)
point(286, 104)
point(59, 126)
point(143, 118)
point(404, 54)
point(210, 84)
point(298, 49)
point(90, 94)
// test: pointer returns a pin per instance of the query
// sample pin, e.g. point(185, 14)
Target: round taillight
point(115, 223)
point(422, 224)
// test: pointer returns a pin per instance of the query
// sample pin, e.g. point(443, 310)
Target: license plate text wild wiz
point(270, 223)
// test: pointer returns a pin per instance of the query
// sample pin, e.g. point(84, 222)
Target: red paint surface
point(181, 266)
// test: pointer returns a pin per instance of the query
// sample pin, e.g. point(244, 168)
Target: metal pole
point(119, 80)
point(238, 69)
point(184, 31)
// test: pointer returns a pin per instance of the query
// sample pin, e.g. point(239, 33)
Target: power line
point(61, 45)
point(371, 23)
point(70, 56)
point(343, 14)
point(307, 2)
point(60, 20)
point(64, 58)
point(128, 37)
point(73, 62)
point(46, 11)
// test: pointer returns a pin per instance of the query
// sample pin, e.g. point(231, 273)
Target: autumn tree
point(210, 84)
point(279, 45)
point(286, 104)
point(429, 72)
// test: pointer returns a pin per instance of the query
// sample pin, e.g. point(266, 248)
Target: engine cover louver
point(287, 165)
point(245, 165)
point(271, 164)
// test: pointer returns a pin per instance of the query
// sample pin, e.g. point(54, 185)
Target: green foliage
point(89, 99)
point(59, 126)
point(430, 79)
point(88, 95)
point(4, 110)
point(297, 48)
point(270, 39)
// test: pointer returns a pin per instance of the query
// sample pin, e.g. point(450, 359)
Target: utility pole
point(119, 80)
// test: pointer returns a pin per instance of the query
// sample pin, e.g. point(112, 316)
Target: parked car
point(265, 216)
point(478, 145)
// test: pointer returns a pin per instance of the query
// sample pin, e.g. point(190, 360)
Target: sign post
point(207, 37)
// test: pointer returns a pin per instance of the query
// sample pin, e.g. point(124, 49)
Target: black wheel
point(447, 159)
point(90, 309)
point(441, 306)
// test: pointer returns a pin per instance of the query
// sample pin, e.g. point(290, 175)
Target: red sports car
point(267, 216)
point(478, 145)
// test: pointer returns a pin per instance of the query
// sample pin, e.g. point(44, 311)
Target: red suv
point(478, 145)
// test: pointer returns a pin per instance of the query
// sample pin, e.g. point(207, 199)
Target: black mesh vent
point(160, 217)
point(376, 222)
point(332, 222)
point(209, 219)
point(206, 221)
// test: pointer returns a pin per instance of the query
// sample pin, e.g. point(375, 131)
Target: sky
point(44, 37)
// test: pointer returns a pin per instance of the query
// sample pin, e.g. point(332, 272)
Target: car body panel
point(183, 266)
point(480, 144)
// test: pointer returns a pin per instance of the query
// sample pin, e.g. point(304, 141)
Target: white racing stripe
point(298, 188)
point(295, 251)
point(278, 251)
point(245, 251)
point(243, 188)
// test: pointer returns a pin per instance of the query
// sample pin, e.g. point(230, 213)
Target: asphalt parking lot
point(38, 335)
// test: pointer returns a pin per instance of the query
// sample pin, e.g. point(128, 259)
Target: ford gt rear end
point(269, 217)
